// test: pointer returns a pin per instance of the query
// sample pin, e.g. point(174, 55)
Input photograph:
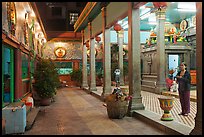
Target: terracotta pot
point(45, 101)
point(166, 104)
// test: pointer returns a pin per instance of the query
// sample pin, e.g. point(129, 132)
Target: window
point(73, 17)
point(64, 67)
point(56, 11)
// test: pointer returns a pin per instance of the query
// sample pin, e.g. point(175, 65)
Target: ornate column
point(106, 57)
point(84, 63)
point(134, 61)
point(120, 35)
point(160, 17)
point(198, 119)
point(92, 61)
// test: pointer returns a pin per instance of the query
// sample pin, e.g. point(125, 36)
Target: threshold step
point(31, 117)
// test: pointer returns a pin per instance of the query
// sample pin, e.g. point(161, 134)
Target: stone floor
point(151, 102)
point(75, 112)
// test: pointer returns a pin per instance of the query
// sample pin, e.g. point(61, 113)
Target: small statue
point(117, 77)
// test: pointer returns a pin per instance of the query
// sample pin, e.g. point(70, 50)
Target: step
point(148, 82)
point(148, 88)
point(149, 77)
point(28, 109)
point(30, 119)
point(170, 127)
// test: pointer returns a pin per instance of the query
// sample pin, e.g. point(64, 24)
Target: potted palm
point(46, 81)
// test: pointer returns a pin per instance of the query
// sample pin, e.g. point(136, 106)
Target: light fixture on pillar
point(117, 27)
point(98, 39)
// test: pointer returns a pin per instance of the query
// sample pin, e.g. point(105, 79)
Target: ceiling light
point(125, 26)
point(187, 10)
point(142, 7)
point(152, 23)
point(144, 16)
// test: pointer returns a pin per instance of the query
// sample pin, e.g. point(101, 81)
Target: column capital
point(161, 13)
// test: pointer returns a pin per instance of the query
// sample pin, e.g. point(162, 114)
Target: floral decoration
point(118, 95)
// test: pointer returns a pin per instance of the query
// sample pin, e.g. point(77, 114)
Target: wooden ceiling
point(59, 26)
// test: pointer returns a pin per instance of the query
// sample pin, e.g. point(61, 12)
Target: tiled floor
point(151, 102)
point(75, 112)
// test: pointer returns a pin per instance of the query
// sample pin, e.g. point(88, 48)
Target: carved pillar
point(106, 57)
point(134, 62)
point(198, 119)
point(84, 63)
point(160, 16)
point(92, 61)
point(120, 35)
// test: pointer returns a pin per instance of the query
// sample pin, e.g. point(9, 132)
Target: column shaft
point(160, 85)
point(134, 62)
point(84, 67)
point(92, 66)
point(120, 60)
point(198, 119)
point(18, 73)
point(106, 57)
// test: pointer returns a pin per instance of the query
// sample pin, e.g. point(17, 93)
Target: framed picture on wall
point(60, 52)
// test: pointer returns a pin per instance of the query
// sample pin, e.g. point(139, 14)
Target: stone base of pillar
point(135, 104)
point(83, 86)
point(138, 106)
point(92, 89)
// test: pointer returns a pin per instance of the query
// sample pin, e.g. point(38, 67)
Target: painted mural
point(69, 50)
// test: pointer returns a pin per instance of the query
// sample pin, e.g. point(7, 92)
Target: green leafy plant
point(46, 79)
point(99, 73)
point(76, 75)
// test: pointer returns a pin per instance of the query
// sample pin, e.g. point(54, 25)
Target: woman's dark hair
point(184, 65)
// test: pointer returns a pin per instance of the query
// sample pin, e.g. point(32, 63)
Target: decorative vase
point(117, 109)
point(45, 101)
point(166, 104)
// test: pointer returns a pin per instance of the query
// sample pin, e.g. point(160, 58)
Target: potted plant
point(46, 81)
point(99, 77)
point(76, 75)
point(117, 103)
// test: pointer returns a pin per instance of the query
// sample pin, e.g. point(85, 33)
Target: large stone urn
point(166, 104)
point(117, 109)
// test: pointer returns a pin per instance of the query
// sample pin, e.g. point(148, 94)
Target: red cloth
point(169, 83)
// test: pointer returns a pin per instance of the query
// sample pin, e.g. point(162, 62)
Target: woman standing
point(184, 80)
